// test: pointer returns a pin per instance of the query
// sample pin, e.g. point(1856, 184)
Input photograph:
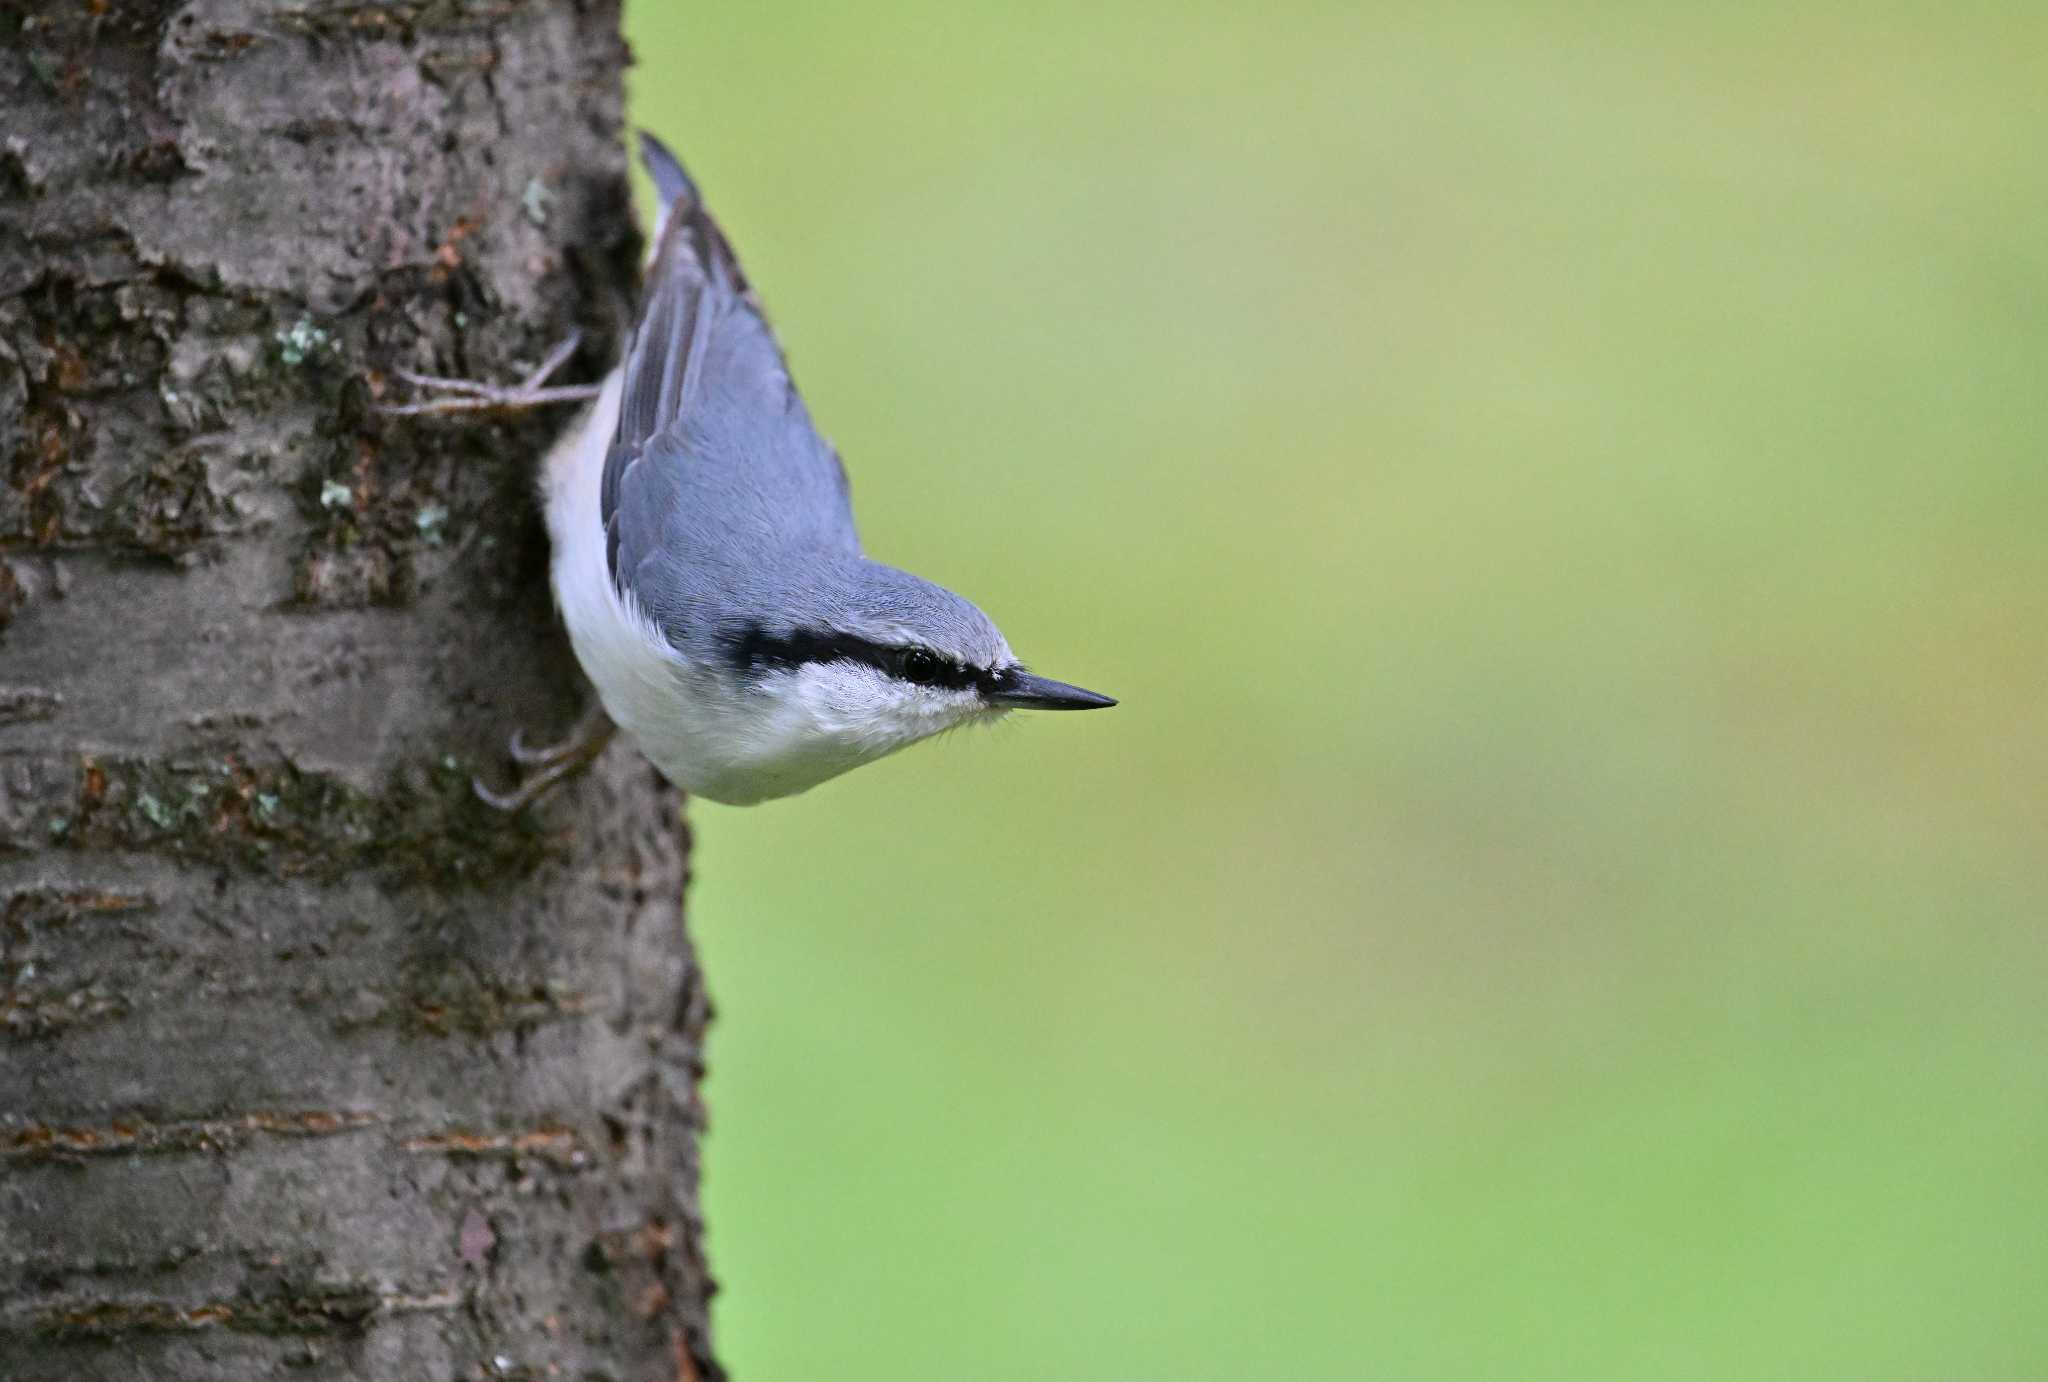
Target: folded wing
point(715, 479)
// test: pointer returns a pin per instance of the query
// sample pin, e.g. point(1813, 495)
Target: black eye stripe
point(752, 649)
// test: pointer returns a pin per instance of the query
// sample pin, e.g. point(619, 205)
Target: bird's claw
point(470, 395)
point(554, 763)
point(525, 754)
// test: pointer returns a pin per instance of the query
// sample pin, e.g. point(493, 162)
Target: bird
point(707, 567)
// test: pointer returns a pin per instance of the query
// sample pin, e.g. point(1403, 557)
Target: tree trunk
point(307, 1059)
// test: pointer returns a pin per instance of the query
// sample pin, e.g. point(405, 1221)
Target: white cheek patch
point(856, 703)
point(839, 695)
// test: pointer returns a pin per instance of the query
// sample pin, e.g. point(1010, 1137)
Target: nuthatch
point(707, 567)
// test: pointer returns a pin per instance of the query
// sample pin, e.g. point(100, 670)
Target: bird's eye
point(920, 667)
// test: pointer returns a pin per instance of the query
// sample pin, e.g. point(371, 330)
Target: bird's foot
point(549, 764)
point(468, 396)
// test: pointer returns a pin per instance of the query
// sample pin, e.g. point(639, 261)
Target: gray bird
point(707, 566)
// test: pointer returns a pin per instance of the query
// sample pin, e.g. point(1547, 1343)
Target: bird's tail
point(704, 245)
point(671, 183)
point(695, 305)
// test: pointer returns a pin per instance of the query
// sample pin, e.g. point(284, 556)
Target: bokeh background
point(1562, 490)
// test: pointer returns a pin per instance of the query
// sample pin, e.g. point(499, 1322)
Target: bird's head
point(868, 659)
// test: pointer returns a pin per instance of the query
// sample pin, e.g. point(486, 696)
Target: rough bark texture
point(307, 1059)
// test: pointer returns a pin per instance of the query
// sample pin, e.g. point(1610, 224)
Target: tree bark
point(307, 1059)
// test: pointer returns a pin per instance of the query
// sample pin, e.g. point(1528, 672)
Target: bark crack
point(134, 1136)
point(328, 1309)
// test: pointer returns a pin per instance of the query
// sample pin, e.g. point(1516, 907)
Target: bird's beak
point(1016, 689)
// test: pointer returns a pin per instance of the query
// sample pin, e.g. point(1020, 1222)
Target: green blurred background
point(1562, 491)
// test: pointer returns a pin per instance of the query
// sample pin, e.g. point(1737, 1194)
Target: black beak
point(1016, 689)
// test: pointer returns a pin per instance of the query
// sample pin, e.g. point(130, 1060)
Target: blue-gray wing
point(715, 475)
